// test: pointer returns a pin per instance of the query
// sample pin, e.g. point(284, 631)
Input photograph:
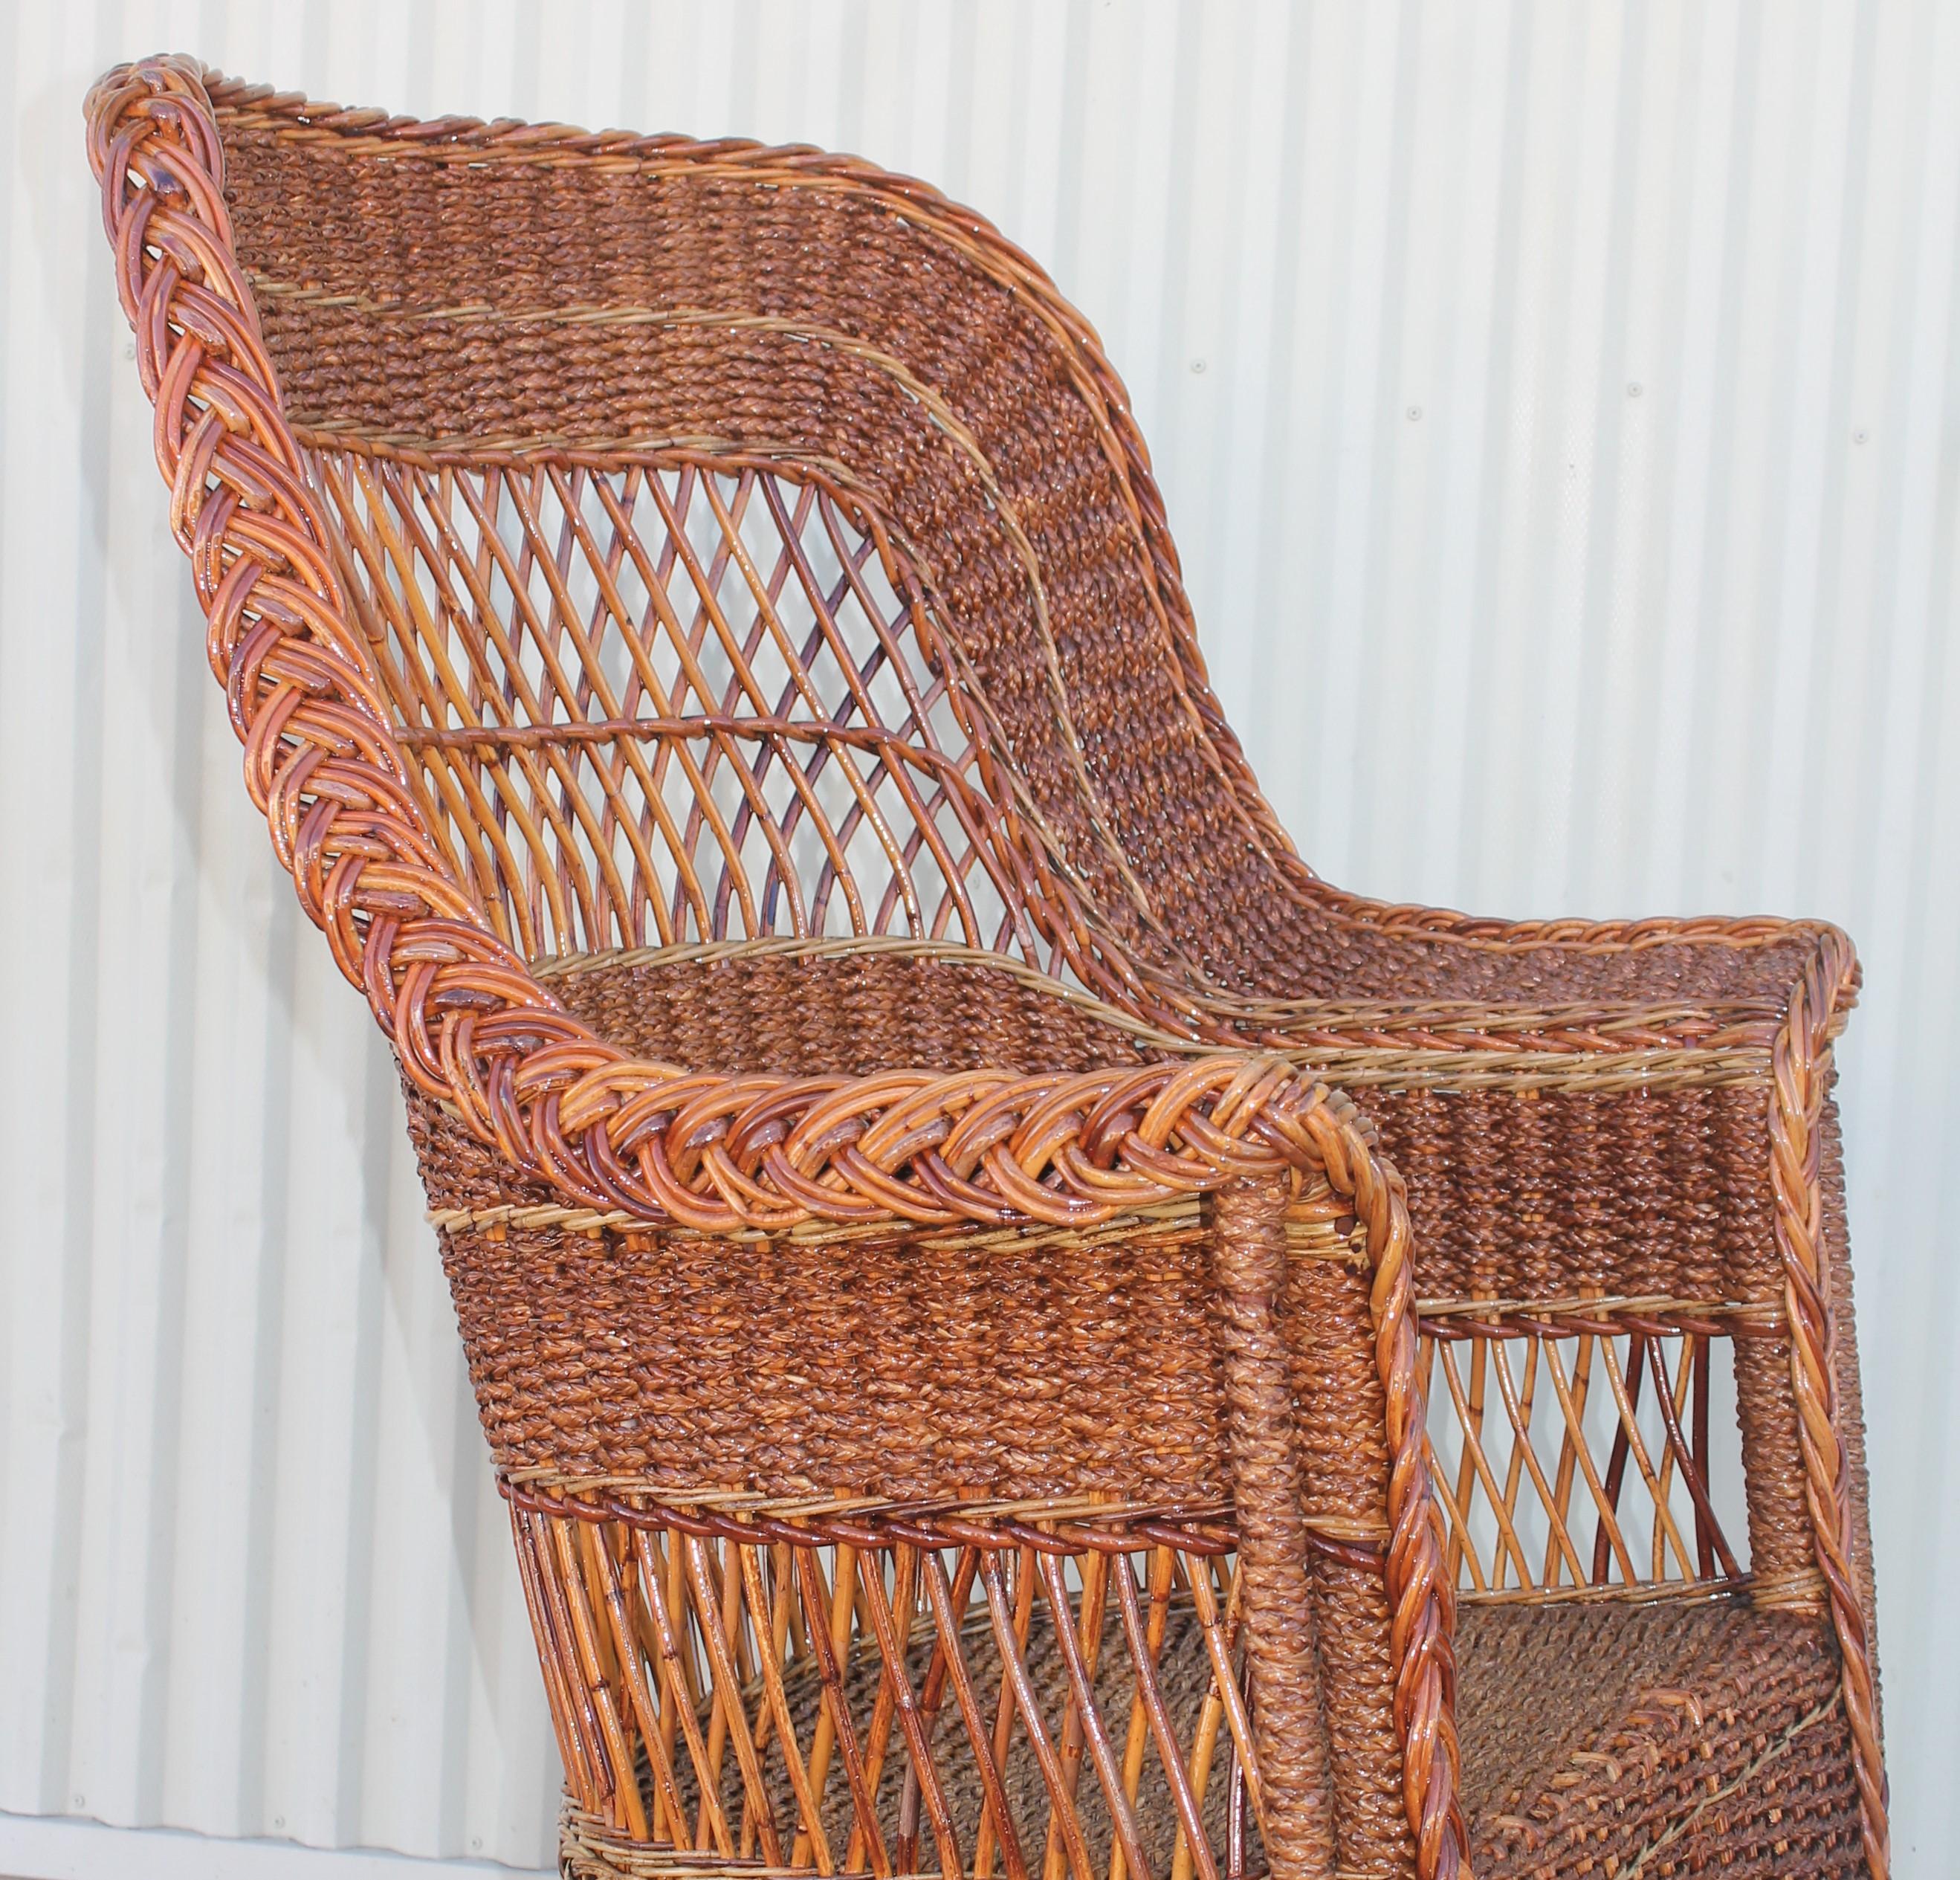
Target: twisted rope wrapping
point(1248, 1259)
point(473, 1027)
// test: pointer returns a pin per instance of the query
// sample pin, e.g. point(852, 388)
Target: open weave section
point(798, 1687)
point(659, 705)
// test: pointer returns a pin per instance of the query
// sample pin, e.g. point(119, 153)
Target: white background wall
point(1556, 407)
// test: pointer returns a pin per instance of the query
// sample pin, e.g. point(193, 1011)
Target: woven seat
point(1708, 1737)
point(1021, 1331)
point(1564, 1741)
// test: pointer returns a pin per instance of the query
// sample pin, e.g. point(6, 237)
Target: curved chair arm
point(469, 1021)
point(631, 1139)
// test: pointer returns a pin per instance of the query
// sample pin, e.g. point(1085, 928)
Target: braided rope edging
point(471, 1026)
point(1801, 1078)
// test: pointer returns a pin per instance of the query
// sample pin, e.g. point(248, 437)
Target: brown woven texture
point(1184, 1681)
point(1588, 1729)
point(708, 648)
point(1701, 1738)
point(857, 1013)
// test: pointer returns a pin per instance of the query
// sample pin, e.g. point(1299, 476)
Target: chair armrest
point(720, 1152)
point(1657, 1134)
point(1661, 1007)
point(641, 1142)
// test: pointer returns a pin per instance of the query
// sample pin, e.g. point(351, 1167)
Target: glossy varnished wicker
point(972, 1391)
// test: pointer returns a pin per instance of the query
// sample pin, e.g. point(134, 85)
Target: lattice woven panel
point(1579, 1450)
point(984, 1706)
point(651, 705)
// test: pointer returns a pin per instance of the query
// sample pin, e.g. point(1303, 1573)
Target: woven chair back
point(763, 395)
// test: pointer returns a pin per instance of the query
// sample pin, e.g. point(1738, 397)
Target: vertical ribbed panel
point(1557, 409)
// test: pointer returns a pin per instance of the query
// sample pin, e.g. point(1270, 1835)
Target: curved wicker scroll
point(469, 1022)
point(473, 1027)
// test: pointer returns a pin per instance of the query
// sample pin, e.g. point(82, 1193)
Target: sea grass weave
point(974, 1391)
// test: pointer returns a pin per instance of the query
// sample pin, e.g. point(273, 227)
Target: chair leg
point(1248, 1259)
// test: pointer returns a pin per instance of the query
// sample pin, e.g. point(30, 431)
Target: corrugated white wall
point(1559, 409)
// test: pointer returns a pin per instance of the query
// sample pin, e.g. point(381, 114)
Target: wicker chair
point(708, 648)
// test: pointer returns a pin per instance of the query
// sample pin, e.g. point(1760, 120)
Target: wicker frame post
point(1802, 1079)
point(1249, 1253)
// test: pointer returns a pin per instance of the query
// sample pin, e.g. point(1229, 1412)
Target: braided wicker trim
point(471, 1026)
point(1047, 1526)
point(1802, 1078)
